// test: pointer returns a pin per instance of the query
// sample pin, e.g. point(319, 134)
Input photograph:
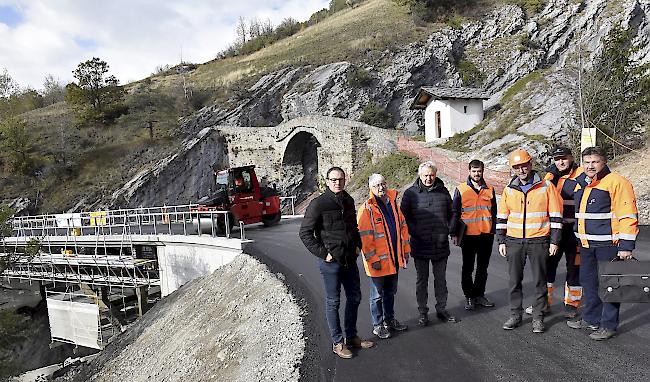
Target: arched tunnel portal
point(300, 165)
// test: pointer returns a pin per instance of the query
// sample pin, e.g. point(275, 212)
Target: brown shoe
point(358, 343)
point(342, 350)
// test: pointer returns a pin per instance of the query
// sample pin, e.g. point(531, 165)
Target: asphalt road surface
point(475, 349)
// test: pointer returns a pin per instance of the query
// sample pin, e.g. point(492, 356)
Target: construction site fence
point(172, 220)
point(457, 170)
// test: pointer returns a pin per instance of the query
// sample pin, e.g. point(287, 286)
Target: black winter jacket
point(428, 214)
point(330, 226)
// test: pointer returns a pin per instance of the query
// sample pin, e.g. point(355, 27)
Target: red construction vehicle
point(238, 191)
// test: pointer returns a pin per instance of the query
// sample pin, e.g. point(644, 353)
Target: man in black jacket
point(427, 208)
point(329, 231)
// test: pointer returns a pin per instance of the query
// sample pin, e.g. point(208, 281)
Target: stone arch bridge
point(294, 155)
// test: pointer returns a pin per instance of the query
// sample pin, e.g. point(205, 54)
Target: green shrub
point(530, 6)
point(375, 115)
point(469, 73)
point(397, 168)
point(358, 78)
point(519, 86)
point(526, 43)
point(200, 98)
point(455, 21)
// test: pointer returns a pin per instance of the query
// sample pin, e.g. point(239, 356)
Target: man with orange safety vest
point(529, 224)
point(475, 204)
point(607, 227)
point(562, 173)
point(386, 248)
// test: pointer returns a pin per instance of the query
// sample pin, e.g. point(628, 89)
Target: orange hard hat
point(519, 156)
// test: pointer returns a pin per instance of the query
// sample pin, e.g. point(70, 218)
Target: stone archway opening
point(300, 166)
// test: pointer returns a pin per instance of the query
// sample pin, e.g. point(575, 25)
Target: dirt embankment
point(634, 166)
point(238, 324)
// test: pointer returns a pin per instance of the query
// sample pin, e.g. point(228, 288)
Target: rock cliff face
point(505, 46)
point(178, 179)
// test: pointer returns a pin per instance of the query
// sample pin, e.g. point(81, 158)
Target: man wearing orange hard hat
point(529, 224)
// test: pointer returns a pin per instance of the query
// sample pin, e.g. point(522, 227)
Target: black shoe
point(445, 316)
point(395, 325)
point(423, 320)
point(512, 322)
point(538, 326)
point(483, 301)
point(469, 304)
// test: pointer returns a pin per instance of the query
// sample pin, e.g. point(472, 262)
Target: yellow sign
point(98, 218)
point(587, 138)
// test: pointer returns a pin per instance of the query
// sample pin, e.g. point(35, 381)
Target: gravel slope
point(238, 324)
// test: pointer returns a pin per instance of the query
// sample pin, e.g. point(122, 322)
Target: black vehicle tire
point(271, 220)
point(221, 224)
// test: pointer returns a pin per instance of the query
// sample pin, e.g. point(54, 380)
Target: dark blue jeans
point(382, 298)
point(335, 275)
point(594, 311)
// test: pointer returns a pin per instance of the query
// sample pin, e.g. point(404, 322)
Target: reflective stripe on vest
point(476, 209)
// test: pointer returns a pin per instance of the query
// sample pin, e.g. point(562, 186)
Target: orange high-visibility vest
point(532, 214)
point(606, 211)
point(476, 209)
point(378, 259)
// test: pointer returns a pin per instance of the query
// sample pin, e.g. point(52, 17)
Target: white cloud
point(132, 36)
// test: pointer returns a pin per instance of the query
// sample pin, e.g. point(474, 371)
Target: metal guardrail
point(172, 220)
point(292, 200)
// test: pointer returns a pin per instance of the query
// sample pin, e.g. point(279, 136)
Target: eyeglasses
point(334, 180)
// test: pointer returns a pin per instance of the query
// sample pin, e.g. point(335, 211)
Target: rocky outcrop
point(181, 178)
point(505, 46)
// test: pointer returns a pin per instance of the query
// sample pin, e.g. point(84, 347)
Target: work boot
point(358, 343)
point(581, 324)
point(423, 320)
point(469, 304)
point(570, 311)
point(381, 331)
point(341, 350)
point(602, 334)
point(512, 322)
point(538, 326)
point(393, 324)
point(445, 316)
point(483, 301)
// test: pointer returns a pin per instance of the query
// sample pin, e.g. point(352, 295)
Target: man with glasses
point(529, 224)
point(329, 231)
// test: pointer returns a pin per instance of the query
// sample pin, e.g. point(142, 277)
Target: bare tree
point(53, 90)
point(254, 28)
point(267, 27)
point(241, 30)
point(7, 84)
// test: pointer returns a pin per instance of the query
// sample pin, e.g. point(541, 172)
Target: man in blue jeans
point(329, 231)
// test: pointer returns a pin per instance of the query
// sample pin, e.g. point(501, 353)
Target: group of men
point(588, 214)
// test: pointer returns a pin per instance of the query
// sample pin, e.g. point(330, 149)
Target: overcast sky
point(40, 37)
